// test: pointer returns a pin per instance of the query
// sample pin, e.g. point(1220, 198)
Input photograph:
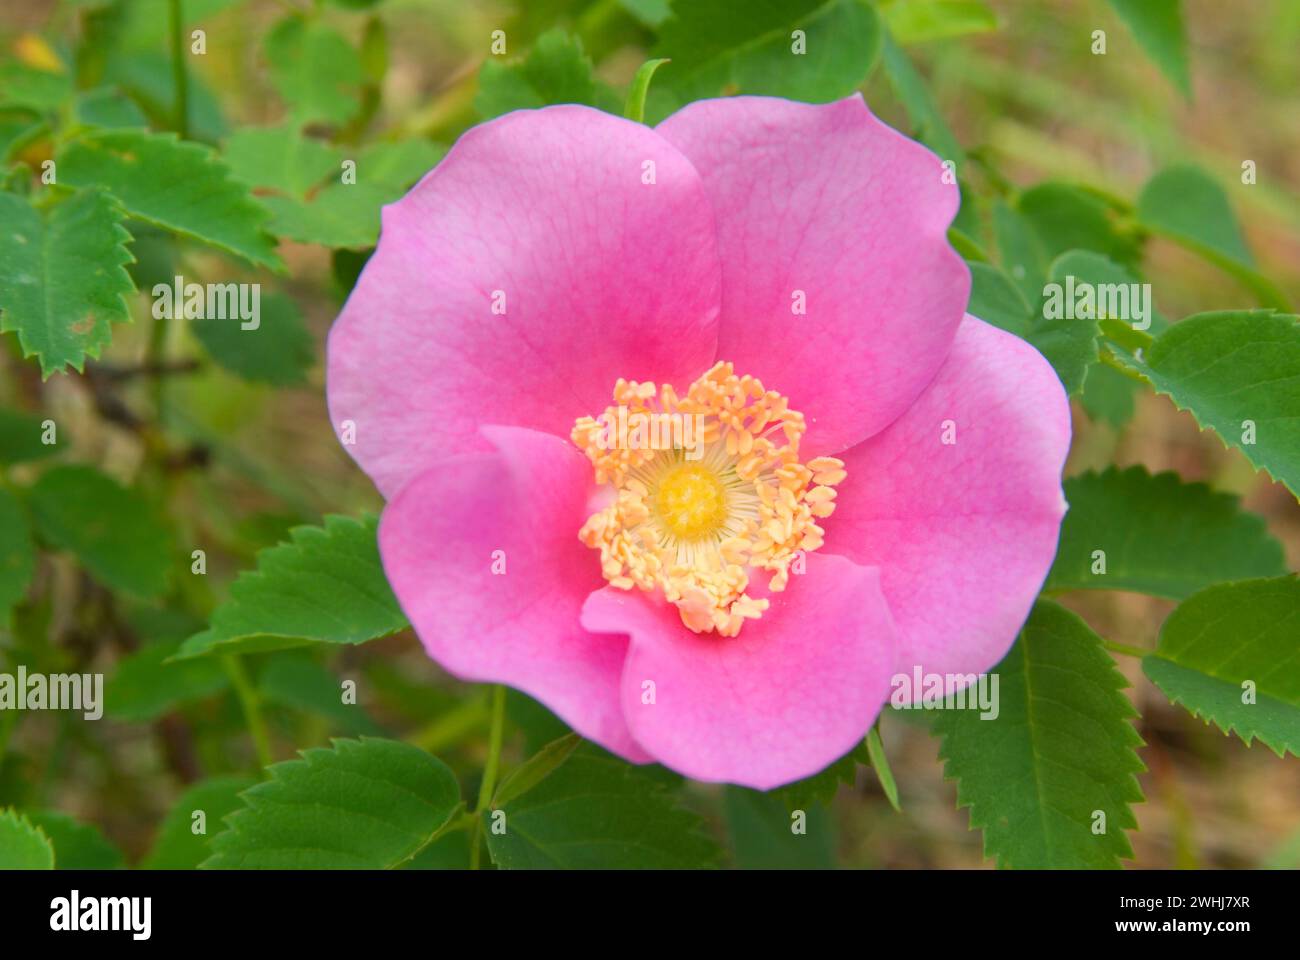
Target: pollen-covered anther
point(709, 491)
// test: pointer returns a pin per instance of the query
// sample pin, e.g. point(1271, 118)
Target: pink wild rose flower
point(684, 430)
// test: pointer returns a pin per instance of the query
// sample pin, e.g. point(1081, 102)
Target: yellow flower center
point(709, 491)
point(691, 501)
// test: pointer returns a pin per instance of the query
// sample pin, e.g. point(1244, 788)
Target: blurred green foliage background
point(241, 450)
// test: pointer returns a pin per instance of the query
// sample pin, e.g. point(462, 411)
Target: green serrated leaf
point(556, 70)
point(341, 215)
point(182, 842)
point(396, 165)
point(23, 846)
point(115, 532)
point(316, 70)
point(597, 811)
point(1108, 394)
point(1060, 751)
point(1091, 287)
point(77, 846)
point(1238, 373)
point(717, 45)
point(325, 585)
point(1113, 297)
point(17, 555)
point(279, 351)
point(280, 158)
point(176, 184)
point(1158, 27)
point(1160, 536)
point(366, 804)
point(346, 215)
point(1227, 654)
point(63, 281)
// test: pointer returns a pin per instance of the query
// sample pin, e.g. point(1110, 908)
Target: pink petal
point(791, 694)
point(438, 539)
point(963, 534)
point(604, 277)
point(828, 200)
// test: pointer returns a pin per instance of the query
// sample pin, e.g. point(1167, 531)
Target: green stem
point(156, 357)
point(489, 782)
point(180, 83)
point(1125, 649)
point(251, 705)
point(179, 78)
point(452, 726)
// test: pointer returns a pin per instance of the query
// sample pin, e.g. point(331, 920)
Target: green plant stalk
point(156, 356)
point(489, 782)
point(251, 705)
point(179, 79)
point(449, 728)
point(180, 84)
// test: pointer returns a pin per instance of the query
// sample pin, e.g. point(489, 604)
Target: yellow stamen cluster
point(698, 523)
